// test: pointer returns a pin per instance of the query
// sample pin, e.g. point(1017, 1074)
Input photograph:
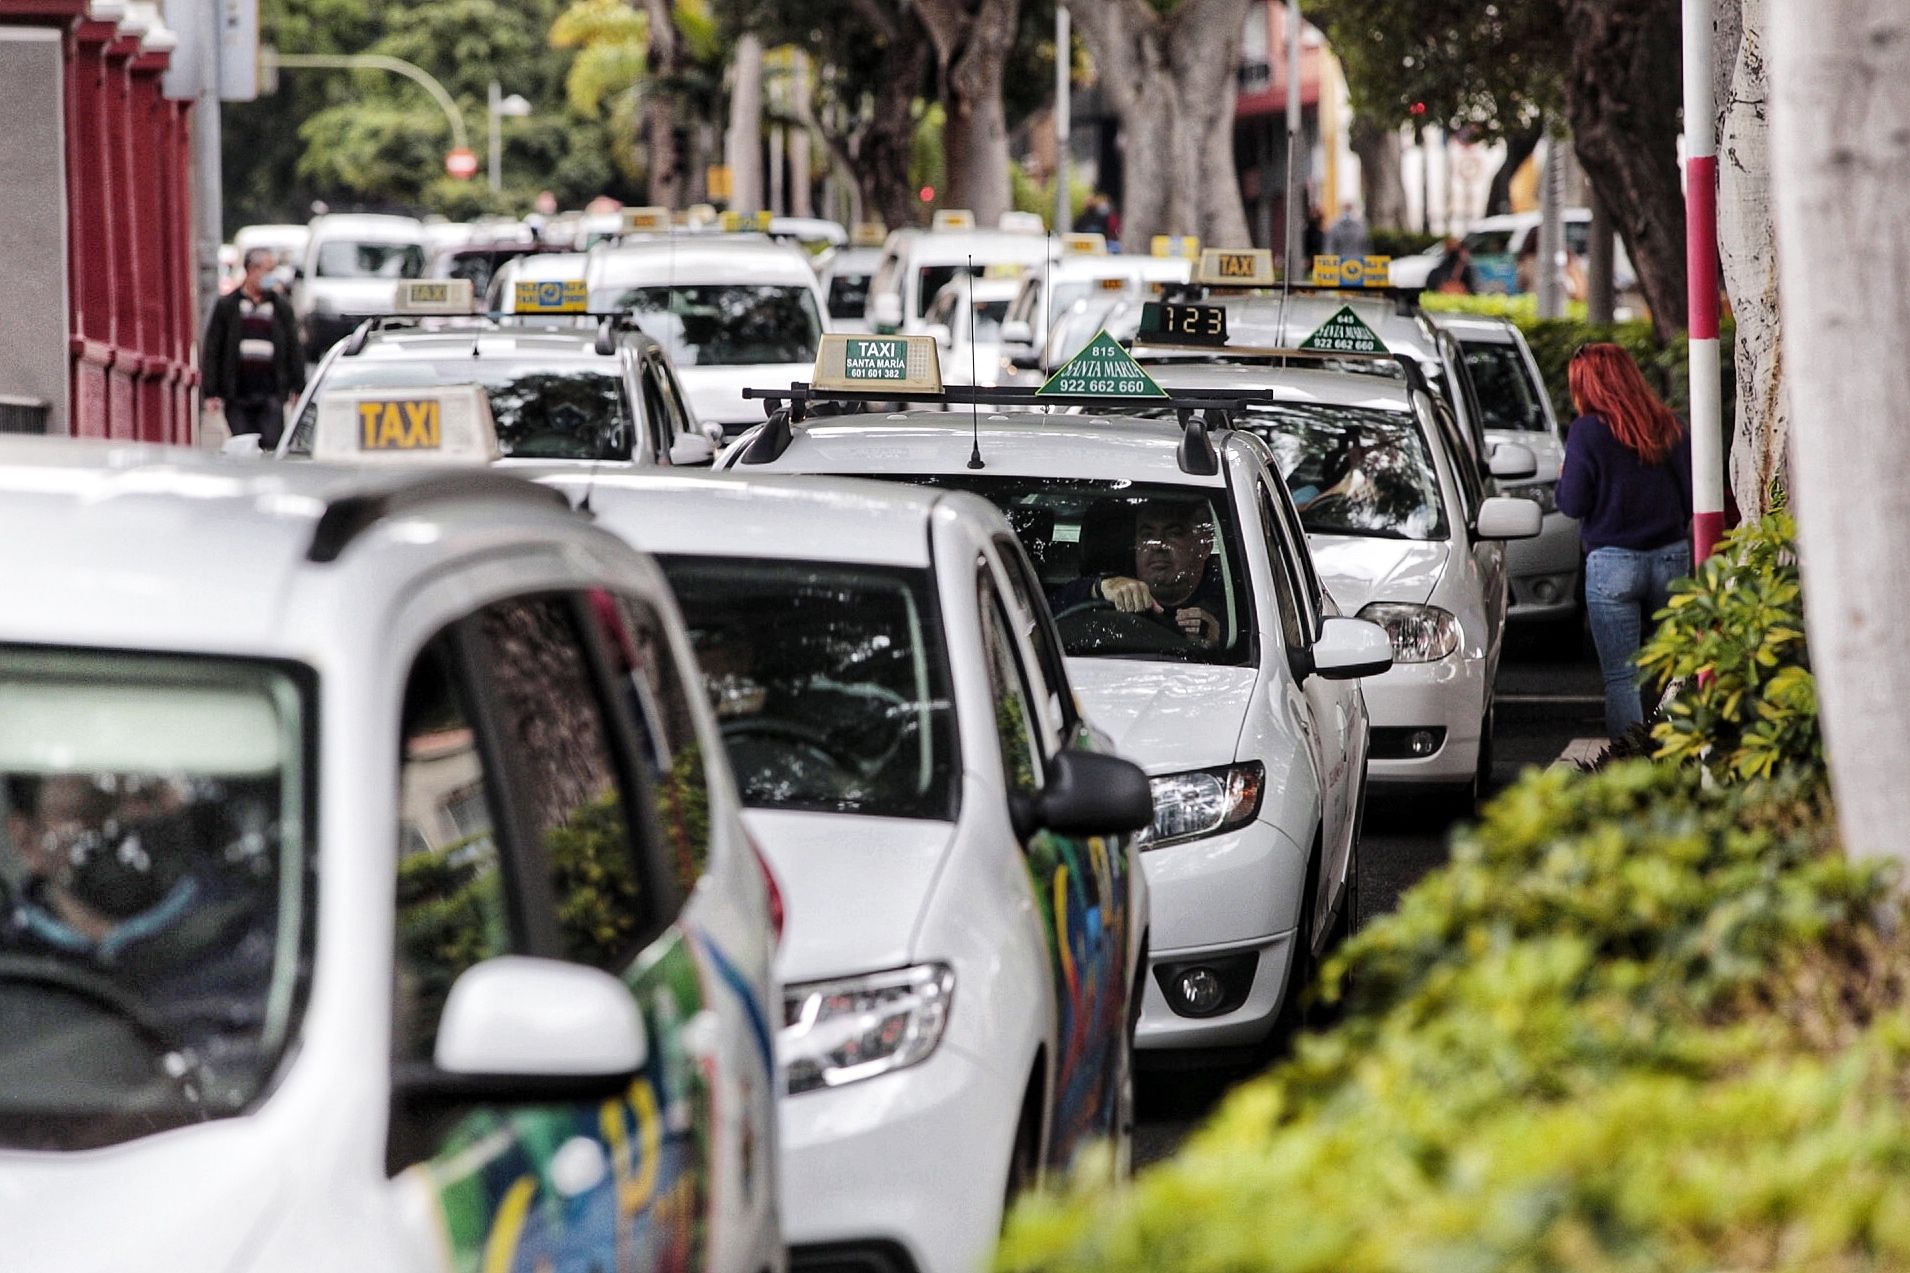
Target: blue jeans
point(1624, 587)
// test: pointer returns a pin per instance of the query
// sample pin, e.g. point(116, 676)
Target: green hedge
point(1393, 242)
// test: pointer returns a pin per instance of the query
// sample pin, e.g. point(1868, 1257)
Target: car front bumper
point(1544, 571)
point(1446, 699)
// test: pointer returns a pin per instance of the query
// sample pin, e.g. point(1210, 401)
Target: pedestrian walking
point(1454, 274)
point(1349, 236)
point(1312, 236)
point(1097, 216)
point(1627, 479)
point(251, 364)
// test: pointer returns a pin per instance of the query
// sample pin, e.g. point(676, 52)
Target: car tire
point(1024, 1157)
point(1302, 967)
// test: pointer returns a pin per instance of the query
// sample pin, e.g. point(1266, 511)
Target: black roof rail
point(349, 516)
point(608, 324)
point(1408, 364)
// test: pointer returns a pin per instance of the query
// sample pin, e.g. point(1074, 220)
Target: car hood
point(853, 888)
point(716, 393)
point(1358, 570)
point(1165, 717)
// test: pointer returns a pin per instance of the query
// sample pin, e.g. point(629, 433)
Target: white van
point(916, 264)
point(352, 266)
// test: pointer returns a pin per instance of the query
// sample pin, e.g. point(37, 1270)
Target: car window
point(1294, 627)
point(1489, 242)
point(1507, 397)
point(943, 310)
point(725, 325)
point(1353, 470)
point(339, 259)
point(156, 881)
point(1459, 455)
point(848, 295)
point(1027, 300)
point(1015, 728)
point(1032, 619)
point(656, 411)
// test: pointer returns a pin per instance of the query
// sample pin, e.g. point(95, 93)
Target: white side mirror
point(1508, 517)
point(1512, 461)
point(713, 431)
point(242, 446)
point(540, 1018)
point(1348, 649)
point(943, 336)
point(885, 311)
point(692, 448)
point(1017, 331)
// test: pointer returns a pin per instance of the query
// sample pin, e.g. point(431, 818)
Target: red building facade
point(131, 316)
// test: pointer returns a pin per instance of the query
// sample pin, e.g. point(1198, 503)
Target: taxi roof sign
point(432, 424)
point(1235, 267)
point(434, 296)
point(640, 220)
point(1016, 221)
point(1101, 370)
point(1184, 247)
point(1344, 333)
point(852, 363)
point(1352, 271)
point(733, 222)
point(551, 296)
point(869, 234)
point(952, 219)
point(1085, 244)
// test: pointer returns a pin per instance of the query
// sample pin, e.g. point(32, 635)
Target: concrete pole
point(208, 194)
point(745, 140)
point(1063, 117)
point(495, 157)
point(1295, 268)
point(1701, 269)
point(800, 204)
point(1551, 232)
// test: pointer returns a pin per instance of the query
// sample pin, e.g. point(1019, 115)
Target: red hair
point(1606, 383)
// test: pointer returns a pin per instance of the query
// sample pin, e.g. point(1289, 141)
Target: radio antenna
point(974, 380)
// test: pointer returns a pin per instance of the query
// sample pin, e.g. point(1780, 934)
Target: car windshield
point(1353, 470)
point(155, 869)
point(727, 325)
point(1090, 541)
point(1507, 396)
point(370, 260)
point(848, 295)
point(830, 682)
point(543, 411)
point(988, 317)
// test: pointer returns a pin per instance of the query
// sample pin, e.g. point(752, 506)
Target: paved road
point(1548, 695)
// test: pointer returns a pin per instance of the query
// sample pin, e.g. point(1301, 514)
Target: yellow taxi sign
point(434, 296)
point(1326, 271)
point(551, 296)
point(1352, 271)
point(1185, 247)
point(1003, 269)
point(869, 234)
point(1235, 267)
point(908, 364)
point(1115, 284)
point(952, 219)
point(1379, 271)
point(431, 424)
point(646, 220)
point(734, 222)
point(1085, 244)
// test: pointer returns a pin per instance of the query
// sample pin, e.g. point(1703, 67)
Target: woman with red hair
point(1627, 479)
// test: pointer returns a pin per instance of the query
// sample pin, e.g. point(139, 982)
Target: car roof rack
point(608, 324)
point(348, 516)
point(1200, 412)
point(1405, 299)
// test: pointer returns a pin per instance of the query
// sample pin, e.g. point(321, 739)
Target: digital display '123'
point(1194, 324)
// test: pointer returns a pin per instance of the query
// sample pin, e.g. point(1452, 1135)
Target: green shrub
point(1395, 242)
point(1732, 637)
point(1640, 1022)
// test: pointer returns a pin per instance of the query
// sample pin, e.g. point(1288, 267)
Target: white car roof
point(1303, 312)
point(986, 289)
point(988, 247)
point(692, 263)
point(1480, 328)
point(368, 227)
point(270, 235)
point(1289, 384)
point(785, 518)
point(1128, 265)
point(565, 343)
point(852, 261)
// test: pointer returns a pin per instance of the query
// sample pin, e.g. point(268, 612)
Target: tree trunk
point(1381, 183)
point(973, 39)
point(1159, 74)
point(1601, 299)
point(800, 202)
point(1840, 93)
point(1519, 147)
point(660, 108)
point(1747, 242)
point(744, 144)
point(1622, 96)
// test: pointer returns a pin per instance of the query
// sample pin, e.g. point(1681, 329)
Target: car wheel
point(1024, 1159)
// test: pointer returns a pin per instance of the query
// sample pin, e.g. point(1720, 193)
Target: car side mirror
point(242, 446)
point(1017, 331)
point(1348, 649)
point(691, 449)
point(531, 1031)
point(1511, 461)
point(1508, 517)
point(885, 311)
point(1089, 793)
point(943, 336)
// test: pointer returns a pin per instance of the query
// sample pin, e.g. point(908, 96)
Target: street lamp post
point(499, 107)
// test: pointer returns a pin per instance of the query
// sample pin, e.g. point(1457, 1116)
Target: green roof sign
point(1102, 370)
point(1344, 333)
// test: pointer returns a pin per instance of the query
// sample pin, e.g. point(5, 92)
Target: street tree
point(973, 40)
point(1840, 114)
point(1167, 69)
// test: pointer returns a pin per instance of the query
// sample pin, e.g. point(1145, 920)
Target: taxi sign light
point(434, 296)
point(952, 219)
point(434, 424)
point(869, 234)
point(906, 364)
point(1085, 244)
point(1102, 370)
point(1352, 271)
point(1344, 333)
point(641, 220)
point(1185, 247)
point(1229, 267)
point(551, 296)
point(734, 222)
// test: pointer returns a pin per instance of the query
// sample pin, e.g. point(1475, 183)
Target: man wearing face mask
point(1176, 580)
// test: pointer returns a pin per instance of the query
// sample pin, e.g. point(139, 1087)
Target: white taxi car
point(1236, 696)
point(375, 895)
point(729, 313)
point(917, 263)
point(965, 318)
point(965, 918)
point(1046, 294)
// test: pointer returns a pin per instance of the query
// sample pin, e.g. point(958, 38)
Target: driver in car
point(1176, 580)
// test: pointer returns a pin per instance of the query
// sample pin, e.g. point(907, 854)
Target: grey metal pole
point(1551, 232)
point(1296, 165)
point(1063, 122)
point(208, 186)
point(495, 156)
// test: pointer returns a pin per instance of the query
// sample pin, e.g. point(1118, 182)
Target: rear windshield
point(1354, 471)
point(830, 683)
point(370, 260)
point(155, 870)
point(542, 412)
point(728, 325)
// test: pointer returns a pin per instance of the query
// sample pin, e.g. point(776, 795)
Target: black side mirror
point(1088, 793)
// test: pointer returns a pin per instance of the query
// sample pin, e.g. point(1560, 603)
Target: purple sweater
point(1619, 500)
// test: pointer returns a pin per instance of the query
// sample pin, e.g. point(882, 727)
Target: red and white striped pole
point(1701, 269)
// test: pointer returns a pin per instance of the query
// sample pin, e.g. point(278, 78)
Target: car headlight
point(1203, 802)
point(837, 1032)
point(1544, 494)
point(1420, 634)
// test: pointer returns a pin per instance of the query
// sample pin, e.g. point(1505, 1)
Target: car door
point(526, 829)
point(1081, 885)
point(1481, 562)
